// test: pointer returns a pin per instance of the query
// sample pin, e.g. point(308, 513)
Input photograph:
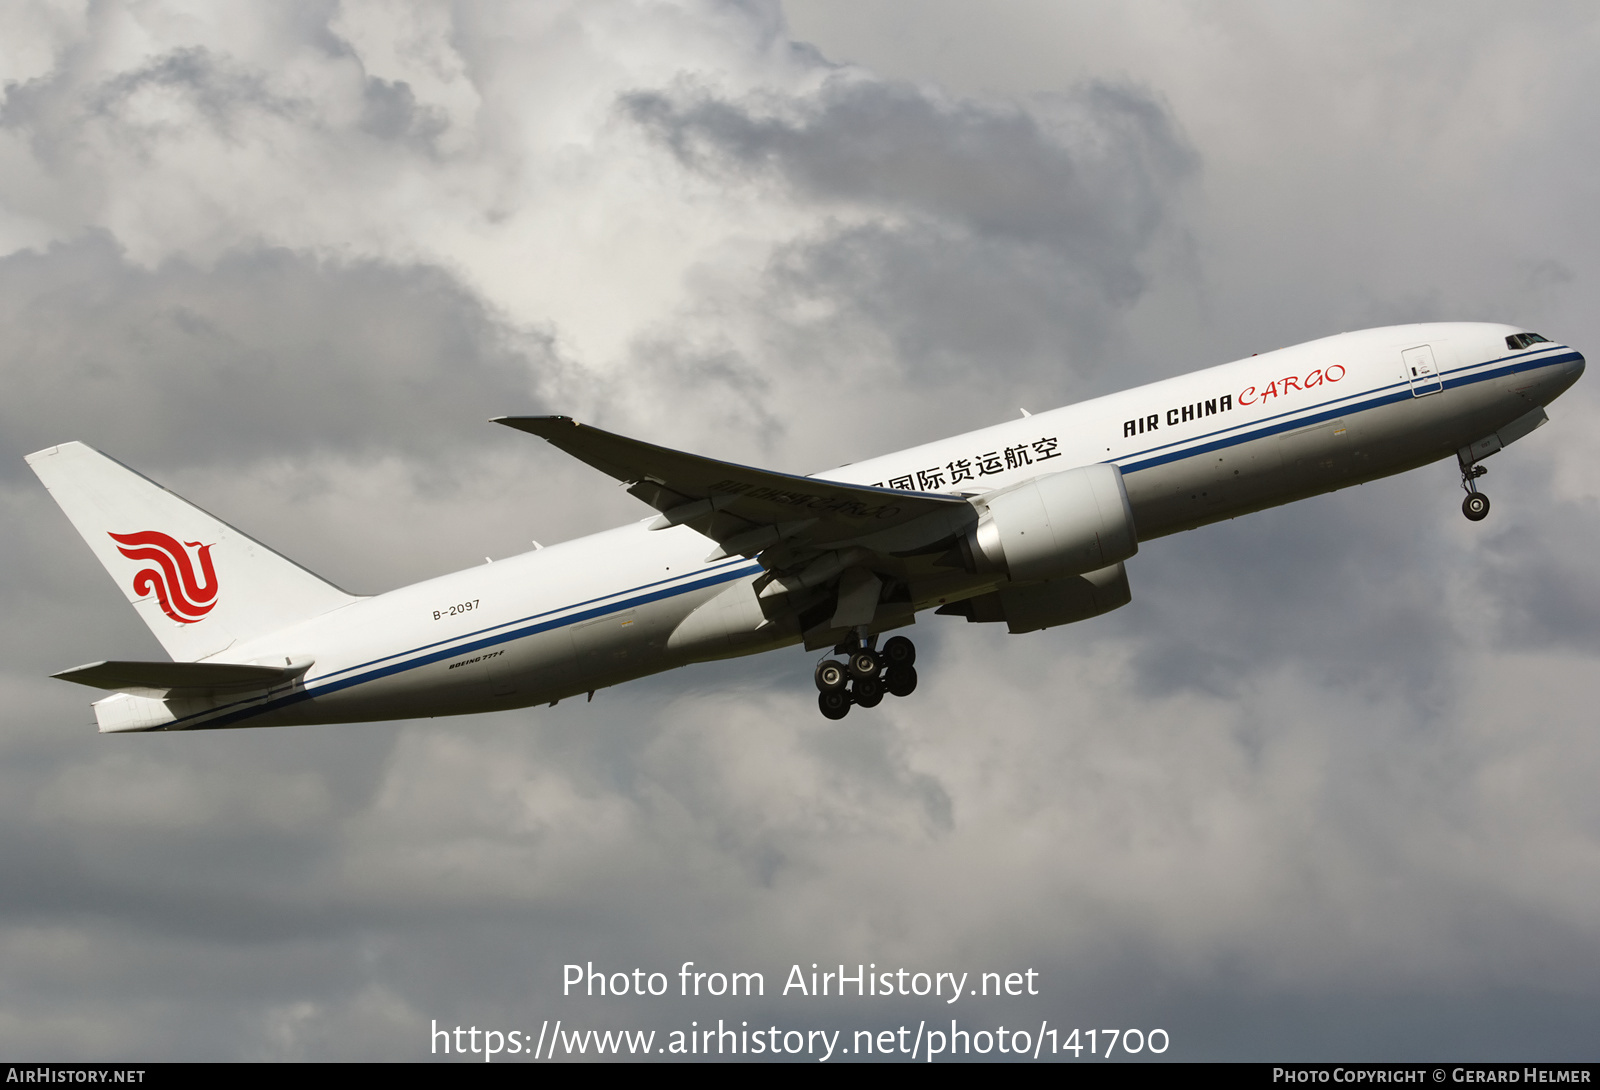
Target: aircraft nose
point(1569, 373)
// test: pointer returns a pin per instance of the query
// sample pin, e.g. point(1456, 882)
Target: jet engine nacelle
point(1053, 527)
point(1045, 605)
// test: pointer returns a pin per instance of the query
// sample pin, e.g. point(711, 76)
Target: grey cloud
point(266, 352)
point(971, 256)
point(225, 96)
point(1094, 184)
point(390, 112)
point(966, 314)
point(1536, 584)
point(908, 333)
point(1220, 606)
point(220, 92)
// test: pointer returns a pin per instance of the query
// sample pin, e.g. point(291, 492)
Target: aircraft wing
point(756, 512)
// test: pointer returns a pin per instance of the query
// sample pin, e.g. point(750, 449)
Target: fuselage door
point(1421, 371)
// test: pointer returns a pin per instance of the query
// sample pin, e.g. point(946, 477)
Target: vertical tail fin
point(197, 582)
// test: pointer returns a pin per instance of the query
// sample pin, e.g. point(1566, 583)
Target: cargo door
point(605, 647)
point(1316, 457)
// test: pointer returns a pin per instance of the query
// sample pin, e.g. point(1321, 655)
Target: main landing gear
point(1476, 505)
point(865, 675)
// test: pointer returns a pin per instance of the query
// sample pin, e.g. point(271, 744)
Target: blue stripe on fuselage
point(1317, 414)
point(653, 592)
point(454, 641)
point(508, 633)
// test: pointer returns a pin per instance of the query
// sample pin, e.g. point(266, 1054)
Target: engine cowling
point(1053, 527)
point(1045, 605)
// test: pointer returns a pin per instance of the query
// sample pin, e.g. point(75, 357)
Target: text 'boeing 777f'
point(1028, 523)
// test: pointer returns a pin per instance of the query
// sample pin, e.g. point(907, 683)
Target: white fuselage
point(604, 609)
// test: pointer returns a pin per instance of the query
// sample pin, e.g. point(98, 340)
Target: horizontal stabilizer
point(744, 509)
point(161, 679)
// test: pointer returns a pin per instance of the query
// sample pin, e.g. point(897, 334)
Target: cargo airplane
point(1027, 523)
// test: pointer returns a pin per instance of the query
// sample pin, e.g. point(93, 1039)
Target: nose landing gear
point(865, 675)
point(1476, 505)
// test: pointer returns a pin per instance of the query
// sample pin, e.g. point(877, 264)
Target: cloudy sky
point(1325, 789)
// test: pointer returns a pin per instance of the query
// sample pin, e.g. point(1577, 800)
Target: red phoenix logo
point(182, 597)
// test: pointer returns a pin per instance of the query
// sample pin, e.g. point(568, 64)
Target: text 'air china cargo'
point(1027, 523)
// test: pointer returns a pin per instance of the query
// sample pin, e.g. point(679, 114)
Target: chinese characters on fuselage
point(1004, 459)
point(990, 464)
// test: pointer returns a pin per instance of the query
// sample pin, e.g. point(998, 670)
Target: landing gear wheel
point(830, 676)
point(864, 664)
point(834, 704)
point(1475, 506)
point(899, 651)
point(901, 680)
point(867, 691)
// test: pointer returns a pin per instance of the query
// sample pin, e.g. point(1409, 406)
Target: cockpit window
point(1518, 341)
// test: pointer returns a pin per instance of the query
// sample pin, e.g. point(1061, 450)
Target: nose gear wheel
point(1476, 505)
